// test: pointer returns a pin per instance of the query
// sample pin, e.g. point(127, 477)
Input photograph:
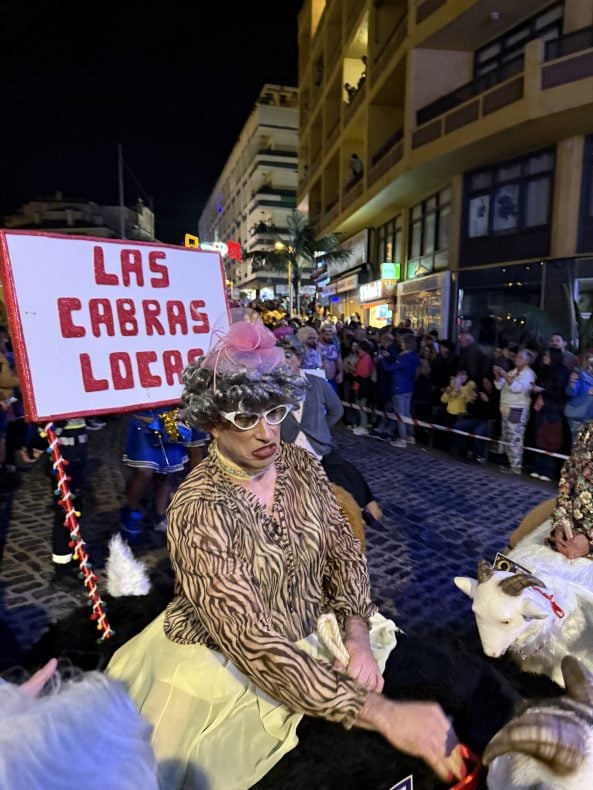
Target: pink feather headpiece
point(248, 346)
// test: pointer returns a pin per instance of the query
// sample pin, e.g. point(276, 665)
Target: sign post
point(102, 326)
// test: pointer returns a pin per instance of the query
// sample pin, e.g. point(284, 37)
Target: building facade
point(256, 191)
point(458, 135)
point(84, 218)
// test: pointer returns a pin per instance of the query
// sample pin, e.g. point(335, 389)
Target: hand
point(574, 377)
point(32, 687)
point(339, 378)
point(577, 546)
point(362, 668)
point(484, 397)
point(417, 728)
point(536, 388)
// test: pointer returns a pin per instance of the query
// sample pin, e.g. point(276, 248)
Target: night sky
point(173, 82)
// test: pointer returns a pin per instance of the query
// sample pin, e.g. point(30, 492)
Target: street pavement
point(441, 518)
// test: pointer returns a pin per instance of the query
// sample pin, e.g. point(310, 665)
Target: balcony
point(331, 210)
point(315, 162)
point(568, 59)
point(333, 135)
point(393, 43)
point(355, 103)
point(352, 191)
point(333, 59)
point(276, 152)
point(474, 106)
point(569, 44)
point(470, 90)
point(387, 156)
point(426, 8)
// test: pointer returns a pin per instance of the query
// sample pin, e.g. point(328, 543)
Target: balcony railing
point(333, 135)
point(386, 147)
point(569, 44)
point(276, 152)
point(470, 90)
point(352, 191)
point(392, 44)
point(356, 102)
point(315, 162)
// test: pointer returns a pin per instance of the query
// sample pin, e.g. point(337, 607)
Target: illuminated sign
point(371, 291)
point(347, 284)
point(229, 249)
point(390, 271)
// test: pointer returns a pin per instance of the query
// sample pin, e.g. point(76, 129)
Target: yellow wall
point(577, 14)
point(435, 72)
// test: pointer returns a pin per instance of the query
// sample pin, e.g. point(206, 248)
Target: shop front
point(343, 297)
point(376, 301)
point(424, 302)
point(339, 295)
point(501, 302)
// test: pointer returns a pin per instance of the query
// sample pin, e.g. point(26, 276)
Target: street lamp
point(280, 246)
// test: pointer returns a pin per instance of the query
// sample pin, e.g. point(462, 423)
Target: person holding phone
point(515, 389)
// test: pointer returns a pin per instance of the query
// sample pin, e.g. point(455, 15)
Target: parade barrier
point(433, 426)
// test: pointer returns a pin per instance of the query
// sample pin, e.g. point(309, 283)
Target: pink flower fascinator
point(248, 346)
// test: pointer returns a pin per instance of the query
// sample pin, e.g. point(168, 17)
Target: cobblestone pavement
point(441, 517)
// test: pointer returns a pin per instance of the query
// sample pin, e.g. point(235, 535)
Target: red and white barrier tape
point(434, 427)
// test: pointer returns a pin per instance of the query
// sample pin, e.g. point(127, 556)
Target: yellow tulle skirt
point(212, 727)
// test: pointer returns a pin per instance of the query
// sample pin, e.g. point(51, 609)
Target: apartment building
point(472, 184)
point(256, 191)
point(84, 218)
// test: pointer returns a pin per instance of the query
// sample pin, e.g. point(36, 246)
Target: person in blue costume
point(154, 450)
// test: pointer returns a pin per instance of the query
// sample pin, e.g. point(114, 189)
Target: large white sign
point(100, 326)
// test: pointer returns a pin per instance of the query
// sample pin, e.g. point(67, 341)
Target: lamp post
point(280, 246)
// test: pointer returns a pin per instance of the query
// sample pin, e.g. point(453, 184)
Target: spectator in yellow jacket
point(459, 393)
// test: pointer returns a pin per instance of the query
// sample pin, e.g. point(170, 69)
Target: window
point(546, 25)
point(511, 197)
point(390, 241)
point(429, 229)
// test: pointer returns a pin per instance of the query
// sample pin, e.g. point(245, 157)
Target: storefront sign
point(369, 292)
point(329, 290)
point(358, 246)
point(347, 284)
point(391, 271)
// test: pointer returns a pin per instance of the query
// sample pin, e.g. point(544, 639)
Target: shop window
point(546, 25)
point(429, 234)
point(518, 196)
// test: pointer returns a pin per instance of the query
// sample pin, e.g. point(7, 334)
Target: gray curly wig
point(245, 389)
point(292, 343)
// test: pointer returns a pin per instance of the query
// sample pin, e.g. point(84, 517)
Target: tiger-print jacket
point(250, 584)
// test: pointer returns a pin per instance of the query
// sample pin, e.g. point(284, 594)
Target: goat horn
point(485, 571)
point(552, 738)
point(514, 585)
point(578, 680)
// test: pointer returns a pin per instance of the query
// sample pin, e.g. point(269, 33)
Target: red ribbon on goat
point(473, 765)
point(558, 611)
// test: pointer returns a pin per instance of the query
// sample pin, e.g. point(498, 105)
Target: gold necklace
point(235, 471)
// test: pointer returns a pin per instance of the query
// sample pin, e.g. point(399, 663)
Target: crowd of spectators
point(536, 395)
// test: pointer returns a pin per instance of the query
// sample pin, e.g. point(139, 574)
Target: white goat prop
point(537, 621)
point(549, 745)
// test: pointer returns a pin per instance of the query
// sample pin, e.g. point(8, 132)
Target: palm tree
point(296, 249)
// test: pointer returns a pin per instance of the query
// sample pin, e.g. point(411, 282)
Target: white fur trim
point(125, 574)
